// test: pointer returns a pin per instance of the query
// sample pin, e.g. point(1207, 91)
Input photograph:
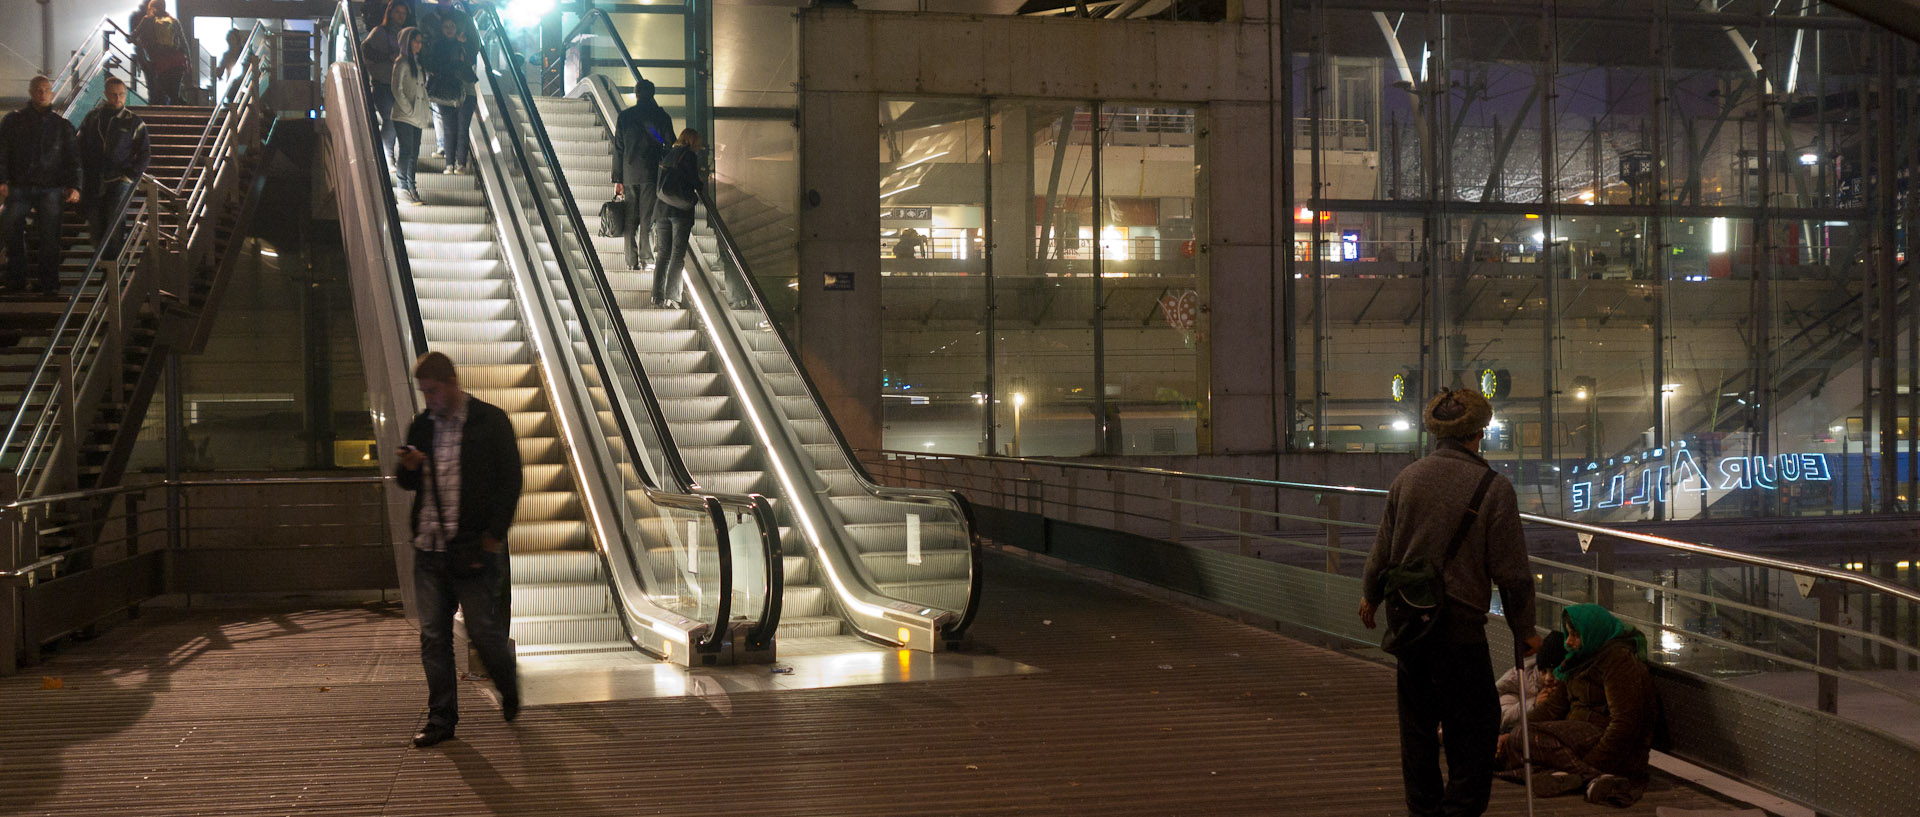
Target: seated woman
point(1539, 680)
point(1594, 730)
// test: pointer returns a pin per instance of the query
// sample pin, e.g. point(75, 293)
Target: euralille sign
point(1663, 473)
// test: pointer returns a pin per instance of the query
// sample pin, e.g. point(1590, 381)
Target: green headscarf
point(1597, 628)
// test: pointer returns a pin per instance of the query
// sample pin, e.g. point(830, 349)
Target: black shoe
point(432, 735)
point(509, 708)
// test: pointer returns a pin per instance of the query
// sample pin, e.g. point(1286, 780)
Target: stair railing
point(106, 47)
point(42, 441)
point(664, 479)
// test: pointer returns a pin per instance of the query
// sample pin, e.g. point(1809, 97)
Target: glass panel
point(1494, 108)
point(1154, 333)
point(933, 269)
point(1043, 280)
point(1369, 314)
point(756, 181)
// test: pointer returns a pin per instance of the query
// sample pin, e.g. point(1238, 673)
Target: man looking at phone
point(463, 466)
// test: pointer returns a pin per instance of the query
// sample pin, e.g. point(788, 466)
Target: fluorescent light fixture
point(901, 190)
point(524, 13)
point(1402, 425)
point(923, 160)
point(1717, 235)
point(1809, 158)
point(269, 253)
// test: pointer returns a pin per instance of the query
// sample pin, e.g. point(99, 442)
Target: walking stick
point(1527, 697)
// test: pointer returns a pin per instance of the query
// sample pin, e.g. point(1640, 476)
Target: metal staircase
point(81, 372)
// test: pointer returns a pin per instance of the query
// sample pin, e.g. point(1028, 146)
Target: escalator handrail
point(725, 241)
point(724, 237)
point(571, 211)
point(598, 17)
point(488, 23)
point(417, 327)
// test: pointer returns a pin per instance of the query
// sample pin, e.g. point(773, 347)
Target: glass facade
point(1040, 277)
point(1668, 241)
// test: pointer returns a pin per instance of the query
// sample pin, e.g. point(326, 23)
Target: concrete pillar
point(1240, 244)
point(838, 331)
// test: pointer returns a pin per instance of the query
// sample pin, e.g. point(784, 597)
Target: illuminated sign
point(1349, 245)
point(1399, 387)
point(1684, 473)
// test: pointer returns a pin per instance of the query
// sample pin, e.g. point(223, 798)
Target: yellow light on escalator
point(905, 636)
point(905, 659)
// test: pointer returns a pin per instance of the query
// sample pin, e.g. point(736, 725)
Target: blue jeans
point(383, 105)
point(407, 162)
point(437, 592)
point(450, 124)
point(107, 207)
point(47, 203)
point(671, 230)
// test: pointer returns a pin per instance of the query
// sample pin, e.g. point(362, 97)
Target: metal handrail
point(343, 16)
point(487, 22)
point(96, 316)
point(597, 18)
point(1695, 548)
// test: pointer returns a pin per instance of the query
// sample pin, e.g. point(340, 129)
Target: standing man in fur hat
point(1446, 681)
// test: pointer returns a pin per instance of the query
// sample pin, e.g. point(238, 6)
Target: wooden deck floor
point(1143, 708)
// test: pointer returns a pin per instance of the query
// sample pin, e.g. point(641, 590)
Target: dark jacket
point(113, 145)
point(1613, 691)
point(489, 469)
point(451, 57)
point(640, 139)
point(38, 148)
point(1424, 508)
point(687, 163)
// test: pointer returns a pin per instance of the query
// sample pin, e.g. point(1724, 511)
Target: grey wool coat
point(1424, 507)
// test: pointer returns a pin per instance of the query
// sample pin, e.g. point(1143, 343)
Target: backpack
point(676, 184)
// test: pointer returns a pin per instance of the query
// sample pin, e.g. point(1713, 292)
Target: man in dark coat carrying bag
point(463, 464)
point(640, 139)
point(1452, 512)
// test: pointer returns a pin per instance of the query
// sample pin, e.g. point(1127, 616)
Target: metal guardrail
point(69, 559)
point(1248, 515)
point(68, 373)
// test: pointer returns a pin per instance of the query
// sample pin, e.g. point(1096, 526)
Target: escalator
point(864, 564)
point(456, 275)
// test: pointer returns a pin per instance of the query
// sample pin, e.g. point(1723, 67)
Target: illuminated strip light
point(684, 637)
point(783, 470)
point(920, 161)
point(901, 190)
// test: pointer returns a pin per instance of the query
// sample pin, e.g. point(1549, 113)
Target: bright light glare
point(525, 13)
point(1809, 159)
point(1671, 641)
point(1580, 393)
point(1113, 247)
point(1540, 237)
point(1494, 424)
point(1717, 236)
point(1402, 425)
point(1019, 399)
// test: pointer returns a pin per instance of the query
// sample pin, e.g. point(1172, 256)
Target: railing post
point(1602, 551)
point(1331, 505)
point(10, 541)
point(1174, 508)
point(113, 350)
point(1244, 496)
point(65, 469)
point(1827, 647)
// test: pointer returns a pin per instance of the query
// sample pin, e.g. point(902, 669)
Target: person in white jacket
point(1539, 680)
point(411, 111)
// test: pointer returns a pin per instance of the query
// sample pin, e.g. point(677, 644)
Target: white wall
point(20, 46)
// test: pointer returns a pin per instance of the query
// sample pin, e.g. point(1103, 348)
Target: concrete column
point(1240, 246)
point(839, 330)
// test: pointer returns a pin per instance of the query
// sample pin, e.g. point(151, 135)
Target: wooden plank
point(1144, 708)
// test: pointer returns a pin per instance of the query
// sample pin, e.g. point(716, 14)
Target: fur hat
point(1457, 414)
